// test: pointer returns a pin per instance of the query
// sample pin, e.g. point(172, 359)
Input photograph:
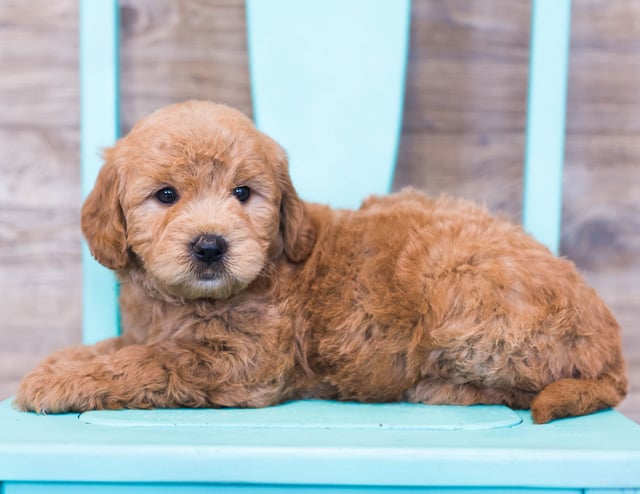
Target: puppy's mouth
point(207, 282)
point(205, 274)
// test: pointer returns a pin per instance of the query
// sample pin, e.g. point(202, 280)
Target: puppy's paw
point(541, 413)
point(30, 393)
point(48, 389)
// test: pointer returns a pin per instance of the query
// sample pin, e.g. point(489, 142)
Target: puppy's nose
point(209, 248)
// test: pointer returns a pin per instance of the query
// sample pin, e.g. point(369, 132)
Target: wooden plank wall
point(463, 133)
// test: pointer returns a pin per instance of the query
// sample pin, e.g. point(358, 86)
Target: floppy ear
point(103, 223)
point(298, 232)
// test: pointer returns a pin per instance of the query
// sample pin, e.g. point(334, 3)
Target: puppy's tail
point(569, 397)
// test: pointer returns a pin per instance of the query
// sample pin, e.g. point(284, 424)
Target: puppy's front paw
point(35, 392)
point(48, 390)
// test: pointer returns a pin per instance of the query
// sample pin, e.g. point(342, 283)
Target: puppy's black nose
point(209, 248)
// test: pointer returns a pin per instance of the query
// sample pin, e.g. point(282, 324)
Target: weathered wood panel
point(465, 103)
point(173, 51)
point(463, 133)
point(40, 286)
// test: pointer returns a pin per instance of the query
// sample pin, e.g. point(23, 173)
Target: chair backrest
point(327, 83)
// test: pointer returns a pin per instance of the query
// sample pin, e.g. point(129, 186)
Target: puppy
point(235, 293)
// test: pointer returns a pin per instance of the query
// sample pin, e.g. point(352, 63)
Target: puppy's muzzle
point(209, 249)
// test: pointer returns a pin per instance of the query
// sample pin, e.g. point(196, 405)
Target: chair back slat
point(327, 81)
point(99, 128)
point(544, 154)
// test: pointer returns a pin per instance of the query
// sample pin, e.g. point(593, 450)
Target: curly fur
point(407, 298)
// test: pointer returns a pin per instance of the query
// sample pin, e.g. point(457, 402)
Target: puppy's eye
point(168, 195)
point(242, 193)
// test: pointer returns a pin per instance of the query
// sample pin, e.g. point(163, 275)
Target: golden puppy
point(235, 293)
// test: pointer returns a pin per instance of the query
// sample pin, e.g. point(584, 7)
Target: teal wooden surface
point(544, 154)
point(149, 488)
point(99, 127)
point(327, 81)
point(598, 451)
point(319, 415)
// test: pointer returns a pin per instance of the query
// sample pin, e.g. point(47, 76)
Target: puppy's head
point(197, 201)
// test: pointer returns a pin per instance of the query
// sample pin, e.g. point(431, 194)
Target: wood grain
point(463, 134)
point(39, 188)
point(468, 67)
point(38, 56)
point(177, 50)
point(39, 247)
point(604, 68)
point(483, 166)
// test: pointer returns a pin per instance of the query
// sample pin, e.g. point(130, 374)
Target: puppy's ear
point(103, 223)
point(298, 232)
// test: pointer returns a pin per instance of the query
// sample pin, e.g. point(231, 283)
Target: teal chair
point(316, 446)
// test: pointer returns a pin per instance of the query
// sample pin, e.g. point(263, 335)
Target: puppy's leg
point(437, 392)
point(163, 375)
point(31, 384)
point(569, 397)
